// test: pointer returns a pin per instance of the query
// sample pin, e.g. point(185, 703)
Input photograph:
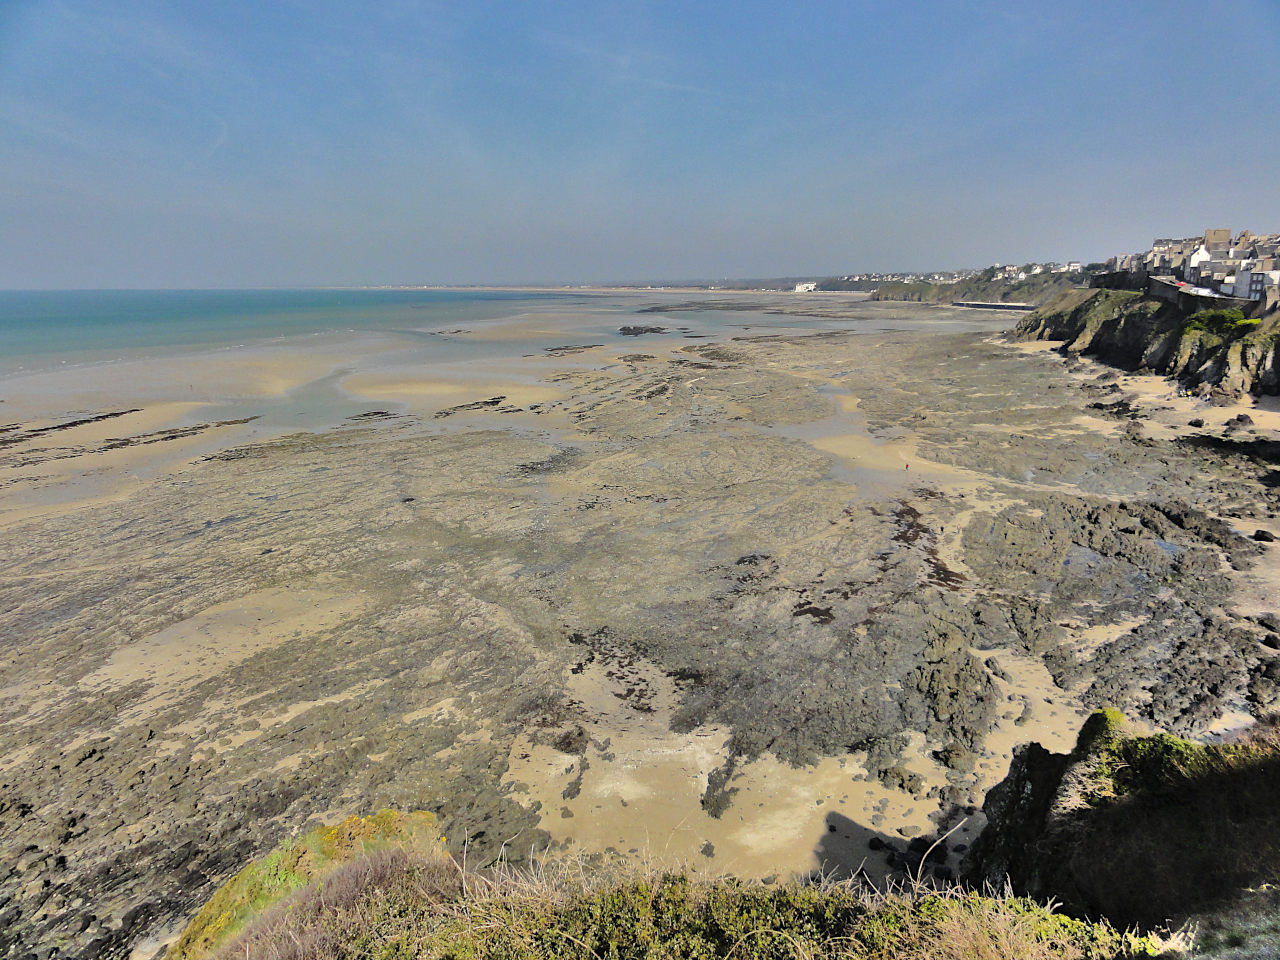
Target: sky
point(247, 144)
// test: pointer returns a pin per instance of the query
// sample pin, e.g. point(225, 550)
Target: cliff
point(1208, 352)
point(1145, 830)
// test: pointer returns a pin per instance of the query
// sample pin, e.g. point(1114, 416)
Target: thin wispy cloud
point(574, 141)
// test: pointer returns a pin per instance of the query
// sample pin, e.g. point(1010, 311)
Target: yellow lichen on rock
point(294, 865)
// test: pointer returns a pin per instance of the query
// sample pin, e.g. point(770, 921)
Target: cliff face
point(1141, 829)
point(1135, 332)
point(1034, 830)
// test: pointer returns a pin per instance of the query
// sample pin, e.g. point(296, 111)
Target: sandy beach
point(769, 605)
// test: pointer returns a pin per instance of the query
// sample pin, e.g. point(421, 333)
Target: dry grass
point(403, 904)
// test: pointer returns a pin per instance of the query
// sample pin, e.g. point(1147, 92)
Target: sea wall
point(1136, 332)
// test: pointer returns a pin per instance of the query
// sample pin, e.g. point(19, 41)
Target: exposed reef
point(719, 549)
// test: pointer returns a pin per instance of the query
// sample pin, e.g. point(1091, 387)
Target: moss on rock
point(293, 866)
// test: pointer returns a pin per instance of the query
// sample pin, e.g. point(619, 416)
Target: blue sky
point(244, 144)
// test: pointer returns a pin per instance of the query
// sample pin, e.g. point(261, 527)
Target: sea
point(57, 345)
point(40, 330)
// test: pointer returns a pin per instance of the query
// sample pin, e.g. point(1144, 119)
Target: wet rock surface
point(425, 588)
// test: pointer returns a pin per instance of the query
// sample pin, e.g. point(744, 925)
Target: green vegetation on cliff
point(401, 904)
point(1221, 323)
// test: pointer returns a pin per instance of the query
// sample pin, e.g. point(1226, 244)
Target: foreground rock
point(1144, 830)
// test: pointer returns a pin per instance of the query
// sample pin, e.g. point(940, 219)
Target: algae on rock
point(295, 865)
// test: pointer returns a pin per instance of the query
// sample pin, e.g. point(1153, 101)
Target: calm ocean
point(49, 330)
point(43, 329)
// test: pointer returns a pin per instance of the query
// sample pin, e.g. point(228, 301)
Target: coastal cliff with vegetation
point(1211, 351)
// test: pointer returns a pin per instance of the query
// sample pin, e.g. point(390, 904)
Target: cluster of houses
point(1241, 267)
point(871, 280)
point(1011, 272)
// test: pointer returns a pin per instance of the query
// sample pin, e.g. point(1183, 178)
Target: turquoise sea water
point(40, 329)
point(46, 329)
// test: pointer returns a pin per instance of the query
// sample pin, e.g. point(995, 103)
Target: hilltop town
point(1214, 266)
point(1011, 273)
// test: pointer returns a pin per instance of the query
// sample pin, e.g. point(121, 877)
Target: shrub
point(407, 904)
point(1220, 323)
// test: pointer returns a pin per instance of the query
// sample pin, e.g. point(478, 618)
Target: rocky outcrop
point(1033, 824)
point(1136, 332)
point(1146, 830)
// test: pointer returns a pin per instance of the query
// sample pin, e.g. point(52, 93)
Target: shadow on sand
point(848, 850)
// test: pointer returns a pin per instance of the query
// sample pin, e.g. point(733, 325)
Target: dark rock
point(1264, 536)
point(1012, 846)
point(1197, 422)
point(900, 778)
point(956, 756)
point(572, 741)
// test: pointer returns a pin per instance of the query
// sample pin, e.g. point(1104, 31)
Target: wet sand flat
point(767, 604)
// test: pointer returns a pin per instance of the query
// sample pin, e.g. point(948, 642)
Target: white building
point(806, 287)
point(1199, 257)
point(1254, 276)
